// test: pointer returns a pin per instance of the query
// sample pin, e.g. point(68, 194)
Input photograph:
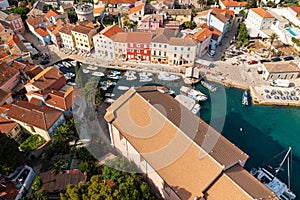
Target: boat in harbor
point(121, 87)
point(208, 86)
point(192, 93)
point(90, 67)
point(245, 99)
point(114, 76)
point(85, 71)
point(196, 108)
point(100, 74)
point(69, 75)
point(145, 79)
point(165, 76)
point(130, 75)
point(282, 191)
point(165, 90)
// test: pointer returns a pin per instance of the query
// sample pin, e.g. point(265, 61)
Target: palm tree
point(58, 165)
point(272, 38)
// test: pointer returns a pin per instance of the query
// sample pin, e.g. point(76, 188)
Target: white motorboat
point(90, 67)
point(165, 76)
point(194, 94)
point(121, 87)
point(114, 76)
point(60, 65)
point(73, 62)
point(85, 71)
point(165, 90)
point(69, 75)
point(145, 74)
point(245, 99)
point(282, 191)
point(196, 108)
point(130, 75)
point(109, 94)
point(145, 79)
point(100, 74)
point(66, 64)
point(57, 66)
point(209, 86)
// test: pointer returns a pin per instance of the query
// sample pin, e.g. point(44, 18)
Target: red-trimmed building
point(138, 46)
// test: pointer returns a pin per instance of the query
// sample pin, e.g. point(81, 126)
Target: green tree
point(72, 15)
point(251, 4)
point(58, 165)
point(189, 25)
point(40, 194)
point(243, 35)
point(11, 157)
point(23, 11)
point(272, 38)
point(32, 143)
point(201, 3)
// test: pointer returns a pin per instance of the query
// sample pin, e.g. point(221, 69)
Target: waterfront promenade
point(228, 73)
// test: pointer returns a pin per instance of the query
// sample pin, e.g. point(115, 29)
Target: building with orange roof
point(136, 13)
point(11, 129)
point(14, 20)
point(203, 37)
point(52, 16)
point(43, 35)
point(182, 51)
point(181, 155)
point(83, 36)
point(5, 97)
point(235, 6)
point(151, 22)
point(53, 31)
point(103, 43)
point(50, 78)
point(5, 30)
point(67, 38)
point(259, 22)
point(42, 120)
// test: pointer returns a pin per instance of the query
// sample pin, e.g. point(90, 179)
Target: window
point(175, 48)
point(175, 55)
point(189, 48)
point(154, 45)
point(138, 45)
point(159, 45)
point(145, 46)
point(181, 48)
point(131, 50)
point(145, 51)
point(138, 51)
point(165, 46)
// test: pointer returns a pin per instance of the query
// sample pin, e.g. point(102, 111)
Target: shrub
point(32, 143)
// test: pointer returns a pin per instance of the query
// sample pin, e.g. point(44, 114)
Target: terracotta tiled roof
point(155, 134)
point(52, 13)
point(215, 32)
point(139, 37)
point(35, 20)
point(182, 41)
point(15, 40)
point(82, 29)
point(62, 100)
point(97, 11)
point(119, 1)
point(56, 183)
point(201, 35)
point(179, 11)
point(295, 8)
point(7, 125)
point(67, 29)
point(163, 35)
point(7, 72)
point(35, 101)
point(226, 12)
point(262, 12)
point(136, 8)
point(249, 183)
point(120, 37)
point(42, 117)
point(155, 122)
point(282, 67)
point(47, 78)
point(219, 16)
point(231, 3)
point(4, 96)
point(32, 71)
point(42, 32)
point(111, 31)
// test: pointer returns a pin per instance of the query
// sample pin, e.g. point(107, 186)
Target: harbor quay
point(241, 76)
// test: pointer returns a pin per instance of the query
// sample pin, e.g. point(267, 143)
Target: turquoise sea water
point(266, 131)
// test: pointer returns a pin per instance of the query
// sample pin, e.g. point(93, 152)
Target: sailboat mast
point(289, 181)
point(282, 162)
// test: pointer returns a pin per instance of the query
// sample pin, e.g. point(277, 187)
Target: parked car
point(288, 58)
point(45, 62)
point(275, 59)
point(264, 60)
point(251, 62)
